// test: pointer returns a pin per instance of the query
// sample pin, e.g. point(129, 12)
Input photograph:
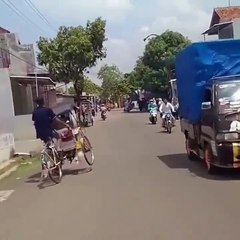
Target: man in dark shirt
point(43, 119)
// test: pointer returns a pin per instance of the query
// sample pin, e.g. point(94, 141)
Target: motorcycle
point(153, 116)
point(103, 115)
point(129, 107)
point(168, 123)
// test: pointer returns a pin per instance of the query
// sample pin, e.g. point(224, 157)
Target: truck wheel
point(208, 158)
point(190, 154)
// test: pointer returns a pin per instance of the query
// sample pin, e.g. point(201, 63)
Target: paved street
point(142, 187)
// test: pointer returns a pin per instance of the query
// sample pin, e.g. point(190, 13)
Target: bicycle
point(51, 163)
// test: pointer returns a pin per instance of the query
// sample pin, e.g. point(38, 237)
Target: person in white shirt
point(103, 109)
point(166, 108)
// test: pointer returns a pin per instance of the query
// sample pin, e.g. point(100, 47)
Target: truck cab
point(216, 138)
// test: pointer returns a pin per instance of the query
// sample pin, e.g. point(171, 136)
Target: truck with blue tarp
point(208, 83)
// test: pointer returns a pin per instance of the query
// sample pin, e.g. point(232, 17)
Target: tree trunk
point(78, 86)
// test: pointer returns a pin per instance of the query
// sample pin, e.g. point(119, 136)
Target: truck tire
point(208, 158)
point(191, 156)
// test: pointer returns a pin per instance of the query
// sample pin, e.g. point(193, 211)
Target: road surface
point(142, 187)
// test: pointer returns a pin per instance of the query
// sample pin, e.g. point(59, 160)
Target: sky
point(128, 22)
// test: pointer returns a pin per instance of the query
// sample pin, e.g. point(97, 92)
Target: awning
point(47, 81)
point(216, 27)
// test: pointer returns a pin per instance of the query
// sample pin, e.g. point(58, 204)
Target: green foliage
point(90, 88)
point(153, 69)
point(73, 51)
point(114, 83)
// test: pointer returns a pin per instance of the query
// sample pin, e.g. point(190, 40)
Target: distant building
point(19, 85)
point(225, 23)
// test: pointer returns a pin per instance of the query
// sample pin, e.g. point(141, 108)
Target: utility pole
point(229, 3)
point(36, 81)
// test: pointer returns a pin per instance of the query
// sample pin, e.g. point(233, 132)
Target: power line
point(37, 11)
point(11, 6)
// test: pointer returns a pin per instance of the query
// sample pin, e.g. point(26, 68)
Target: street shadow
point(197, 168)
point(135, 112)
point(36, 178)
point(163, 131)
point(75, 172)
point(150, 124)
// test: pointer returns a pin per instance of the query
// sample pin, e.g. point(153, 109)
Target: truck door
point(208, 116)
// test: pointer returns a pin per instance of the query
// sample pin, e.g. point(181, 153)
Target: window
point(207, 95)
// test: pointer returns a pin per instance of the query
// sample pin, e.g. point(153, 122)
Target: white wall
point(236, 28)
point(24, 128)
point(6, 116)
point(65, 100)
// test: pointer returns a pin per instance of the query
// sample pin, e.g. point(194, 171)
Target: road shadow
point(134, 112)
point(163, 131)
point(36, 178)
point(74, 172)
point(197, 168)
point(149, 123)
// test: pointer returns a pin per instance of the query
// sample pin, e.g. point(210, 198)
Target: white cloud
point(183, 16)
point(144, 29)
point(76, 11)
point(121, 53)
point(129, 21)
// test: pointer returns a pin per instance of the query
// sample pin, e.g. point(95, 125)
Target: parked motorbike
point(153, 116)
point(168, 123)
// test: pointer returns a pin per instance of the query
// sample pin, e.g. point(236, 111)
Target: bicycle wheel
point(54, 166)
point(88, 151)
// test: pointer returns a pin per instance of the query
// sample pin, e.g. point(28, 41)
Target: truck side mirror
point(206, 105)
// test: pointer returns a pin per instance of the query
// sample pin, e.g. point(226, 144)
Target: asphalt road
point(142, 187)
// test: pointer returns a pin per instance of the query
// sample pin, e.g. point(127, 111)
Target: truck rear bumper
point(228, 155)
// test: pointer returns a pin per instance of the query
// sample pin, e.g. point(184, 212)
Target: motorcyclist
point(152, 105)
point(103, 109)
point(166, 108)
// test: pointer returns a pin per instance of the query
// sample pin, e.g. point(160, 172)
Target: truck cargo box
point(197, 65)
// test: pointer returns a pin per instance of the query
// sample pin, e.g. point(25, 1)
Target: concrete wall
point(18, 51)
point(24, 128)
point(61, 100)
point(6, 116)
point(236, 28)
point(52, 99)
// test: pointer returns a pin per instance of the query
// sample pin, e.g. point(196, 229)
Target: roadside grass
point(25, 166)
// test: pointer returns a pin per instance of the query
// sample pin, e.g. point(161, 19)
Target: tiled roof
point(228, 13)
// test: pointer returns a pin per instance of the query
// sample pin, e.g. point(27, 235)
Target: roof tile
point(228, 13)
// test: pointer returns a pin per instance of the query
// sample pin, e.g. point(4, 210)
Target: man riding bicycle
point(43, 119)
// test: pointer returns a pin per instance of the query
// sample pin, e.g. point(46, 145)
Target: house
point(225, 23)
point(20, 84)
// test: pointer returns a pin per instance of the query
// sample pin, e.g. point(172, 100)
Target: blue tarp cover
point(197, 65)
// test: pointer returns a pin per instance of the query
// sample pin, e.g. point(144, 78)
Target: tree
point(73, 51)
point(89, 87)
point(114, 83)
point(153, 70)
